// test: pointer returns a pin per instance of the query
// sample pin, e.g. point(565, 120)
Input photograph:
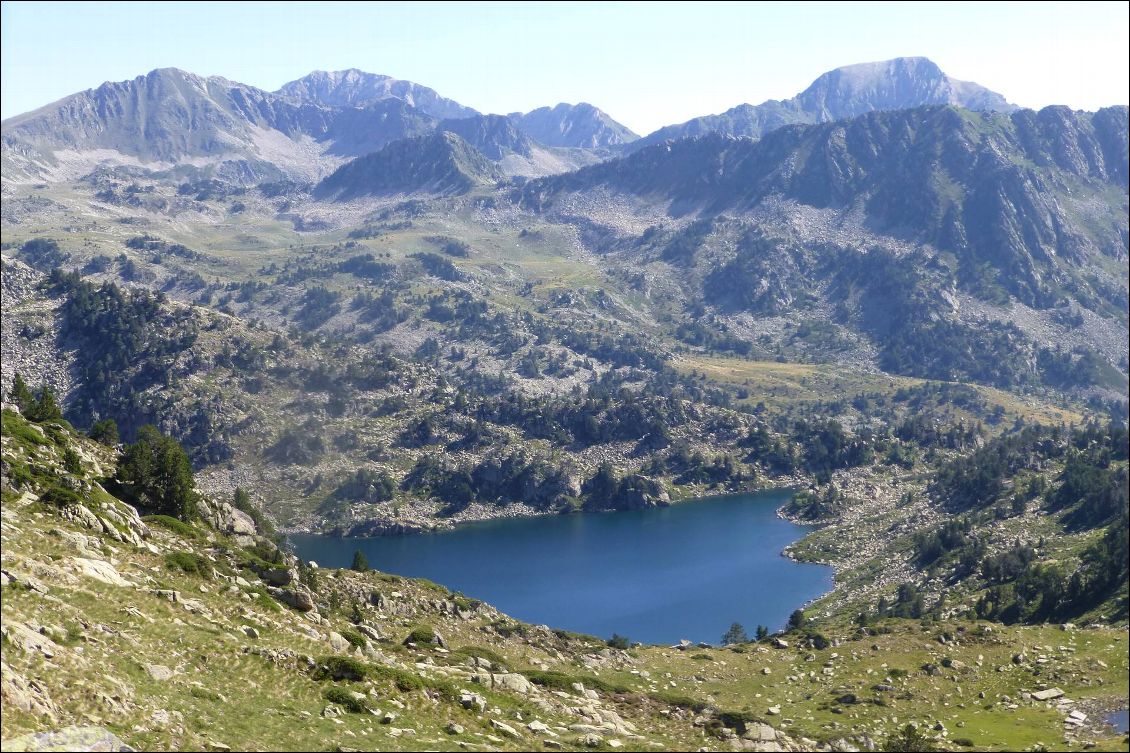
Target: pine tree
point(21, 395)
point(736, 634)
point(105, 432)
point(155, 472)
point(45, 408)
point(360, 562)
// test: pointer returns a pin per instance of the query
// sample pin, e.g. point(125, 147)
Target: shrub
point(60, 497)
point(346, 699)
point(405, 682)
point(178, 527)
point(105, 432)
point(189, 562)
point(354, 638)
point(619, 641)
point(155, 470)
point(422, 634)
point(72, 463)
point(479, 652)
point(562, 681)
point(340, 668)
point(360, 562)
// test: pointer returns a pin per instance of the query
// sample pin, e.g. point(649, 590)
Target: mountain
point(166, 115)
point(354, 131)
point(232, 131)
point(352, 88)
point(580, 125)
point(215, 128)
point(1009, 190)
point(843, 93)
point(439, 163)
point(493, 135)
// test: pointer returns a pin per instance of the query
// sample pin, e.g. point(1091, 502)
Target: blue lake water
point(657, 575)
point(1120, 720)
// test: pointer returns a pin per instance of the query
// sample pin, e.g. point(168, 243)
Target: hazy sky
point(647, 65)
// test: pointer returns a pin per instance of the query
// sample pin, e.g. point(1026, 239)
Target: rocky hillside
point(843, 93)
point(1027, 206)
point(441, 163)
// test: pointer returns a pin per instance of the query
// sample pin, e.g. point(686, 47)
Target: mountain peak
point(844, 92)
point(569, 125)
point(892, 85)
point(353, 87)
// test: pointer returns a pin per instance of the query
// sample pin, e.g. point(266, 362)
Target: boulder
point(159, 672)
point(505, 728)
point(298, 597)
point(338, 642)
point(472, 701)
point(1047, 695)
point(279, 576)
point(23, 637)
point(513, 682)
point(370, 632)
point(100, 570)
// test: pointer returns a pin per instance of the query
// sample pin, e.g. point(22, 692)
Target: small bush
point(204, 693)
point(405, 682)
point(60, 497)
point(178, 527)
point(189, 562)
point(354, 638)
point(562, 681)
point(619, 641)
point(265, 600)
point(340, 668)
point(72, 463)
point(346, 700)
point(478, 652)
point(679, 701)
point(422, 634)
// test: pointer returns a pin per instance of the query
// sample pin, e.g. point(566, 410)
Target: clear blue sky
point(647, 65)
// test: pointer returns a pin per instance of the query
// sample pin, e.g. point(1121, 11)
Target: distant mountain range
point(1024, 193)
point(310, 126)
point(843, 93)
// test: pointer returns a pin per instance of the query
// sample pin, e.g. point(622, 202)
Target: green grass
point(170, 523)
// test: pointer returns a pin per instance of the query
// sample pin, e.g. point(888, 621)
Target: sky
point(647, 65)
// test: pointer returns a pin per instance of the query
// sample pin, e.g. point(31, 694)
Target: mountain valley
point(364, 309)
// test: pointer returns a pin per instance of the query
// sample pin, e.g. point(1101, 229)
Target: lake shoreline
point(656, 574)
point(425, 517)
